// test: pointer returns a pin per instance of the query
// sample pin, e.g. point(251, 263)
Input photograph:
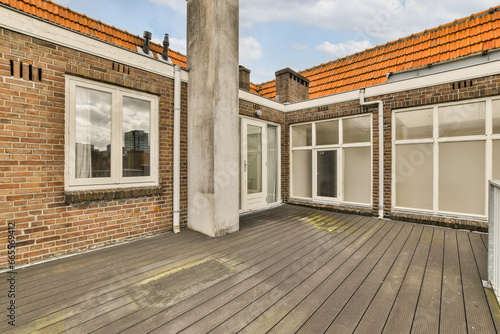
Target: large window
point(111, 136)
point(444, 156)
point(332, 160)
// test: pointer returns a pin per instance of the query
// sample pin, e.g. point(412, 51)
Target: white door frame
point(250, 201)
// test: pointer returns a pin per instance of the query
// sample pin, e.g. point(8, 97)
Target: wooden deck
point(289, 269)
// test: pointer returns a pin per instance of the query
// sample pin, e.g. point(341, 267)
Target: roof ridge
point(75, 17)
point(489, 11)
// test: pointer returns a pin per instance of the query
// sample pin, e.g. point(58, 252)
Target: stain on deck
point(290, 269)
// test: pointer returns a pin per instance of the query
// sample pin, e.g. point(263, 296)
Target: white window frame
point(340, 162)
point(117, 180)
point(488, 138)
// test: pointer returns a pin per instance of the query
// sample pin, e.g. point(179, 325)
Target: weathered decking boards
point(289, 269)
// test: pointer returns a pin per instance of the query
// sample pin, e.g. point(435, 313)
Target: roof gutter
point(380, 104)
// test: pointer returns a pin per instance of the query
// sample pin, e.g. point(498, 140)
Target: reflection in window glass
point(462, 180)
point(93, 133)
point(327, 133)
point(356, 130)
point(414, 176)
point(327, 173)
point(462, 120)
point(414, 124)
point(136, 134)
point(302, 135)
point(496, 116)
point(302, 173)
point(272, 164)
point(357, 175)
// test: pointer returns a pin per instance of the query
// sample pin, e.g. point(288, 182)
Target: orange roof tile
point(459, 38)
point(50, 11)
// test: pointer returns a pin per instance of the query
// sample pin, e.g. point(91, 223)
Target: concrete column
point(213, 131)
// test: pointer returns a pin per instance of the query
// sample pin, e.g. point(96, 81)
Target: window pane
point(357, 174)
point(272, 164)
point(496, 159)
point(327, 173)
point(254, 159)
point(496, 116)
point(414, 124)
point(327, 133)
point(462, 120)
point(356, 130)
point(414, 176)
point(136, 133)
point(93, 133)
point(302, 173)
point(462, 180)
point(302, 135)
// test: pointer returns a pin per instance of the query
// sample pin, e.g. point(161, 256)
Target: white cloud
point(260, 75)
point(250, 50)
point(178, 45)
point(380, 19)
point(343, 49)
point(298, 46)
point(176, 5)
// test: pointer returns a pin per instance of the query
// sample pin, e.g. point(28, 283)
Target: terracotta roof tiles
point(65, 17)
point(459, 38)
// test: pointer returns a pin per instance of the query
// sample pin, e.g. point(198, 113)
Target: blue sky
point(299, 34)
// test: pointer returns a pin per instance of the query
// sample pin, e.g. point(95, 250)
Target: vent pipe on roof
point(166, 44)
point(147, 39)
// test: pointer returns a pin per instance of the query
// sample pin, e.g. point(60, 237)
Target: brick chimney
point(291, 86)
point(244, 78)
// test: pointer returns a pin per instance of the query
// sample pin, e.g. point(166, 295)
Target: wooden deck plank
point(477, 310)
point(452, 304)
point(274, 289)
point(336, 272)
point(133, 319)
point(403, 310)
point(373, 321)
point(275, 312)
point(188, 254)
point(480, 254)
point(353, 311)
point(429, 303)
point(309, 260)
point(265, 261)
point(324, 315)
point(70, 310)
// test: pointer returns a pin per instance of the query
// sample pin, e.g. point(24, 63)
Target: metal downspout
point(177, 147)
point(381, 149)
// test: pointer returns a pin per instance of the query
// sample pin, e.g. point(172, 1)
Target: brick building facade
point(55, 213)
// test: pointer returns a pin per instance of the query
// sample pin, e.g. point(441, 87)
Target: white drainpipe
point(381, 149)
point(177, 147)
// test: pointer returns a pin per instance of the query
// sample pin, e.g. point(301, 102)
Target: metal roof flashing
point(450, 65)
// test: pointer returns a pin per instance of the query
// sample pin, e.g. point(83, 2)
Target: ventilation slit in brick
point(40, 74)
point(30, 74)
point(21, 70)
point(12, 68)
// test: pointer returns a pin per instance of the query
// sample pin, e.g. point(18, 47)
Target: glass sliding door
point(259, 164)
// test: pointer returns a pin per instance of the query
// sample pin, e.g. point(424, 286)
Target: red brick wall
point(32, 134)
point(481, 87)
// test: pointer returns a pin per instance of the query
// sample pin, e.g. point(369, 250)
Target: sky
point(300, 34)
